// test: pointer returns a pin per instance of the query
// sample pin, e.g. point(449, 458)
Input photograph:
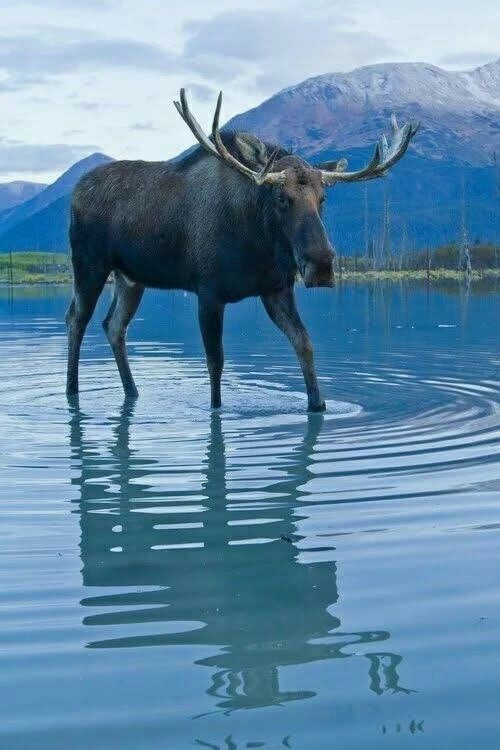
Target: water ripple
point(250, 542)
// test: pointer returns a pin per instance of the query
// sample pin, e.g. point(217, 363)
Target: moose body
point(200, 224)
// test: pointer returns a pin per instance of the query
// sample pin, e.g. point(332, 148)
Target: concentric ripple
point(173, 565)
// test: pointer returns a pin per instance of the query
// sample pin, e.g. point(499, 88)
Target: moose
point(233, 218)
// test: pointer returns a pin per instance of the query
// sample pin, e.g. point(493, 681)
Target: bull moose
point(234, 218)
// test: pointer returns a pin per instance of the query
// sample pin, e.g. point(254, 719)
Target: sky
point(78, 76)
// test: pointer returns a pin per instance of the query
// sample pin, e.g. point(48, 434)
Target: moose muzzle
point(314, 253)
point(318, 274)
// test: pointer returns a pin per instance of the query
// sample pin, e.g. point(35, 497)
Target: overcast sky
point(78, 76)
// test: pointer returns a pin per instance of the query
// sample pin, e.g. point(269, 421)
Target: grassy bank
point(35, 268)
point(54, 268)
point(435, 274)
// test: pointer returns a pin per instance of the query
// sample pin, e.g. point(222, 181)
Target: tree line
point(454, 256)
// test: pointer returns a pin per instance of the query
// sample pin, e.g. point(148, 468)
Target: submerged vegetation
point(443, 264)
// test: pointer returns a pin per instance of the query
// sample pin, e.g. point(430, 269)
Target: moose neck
point(272, 239)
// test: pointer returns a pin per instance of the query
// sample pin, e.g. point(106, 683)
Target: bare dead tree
point(496, 189)
point(365, 213)
point(464, 261)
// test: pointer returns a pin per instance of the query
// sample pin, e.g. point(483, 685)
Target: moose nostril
point(319, 256)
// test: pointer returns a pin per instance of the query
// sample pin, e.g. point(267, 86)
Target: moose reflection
point(215, 577)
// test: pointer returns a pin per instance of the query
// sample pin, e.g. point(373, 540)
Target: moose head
point(297, 188)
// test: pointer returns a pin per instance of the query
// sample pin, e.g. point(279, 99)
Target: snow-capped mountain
point(459, 111)
point(450, 170)
point(448, 175)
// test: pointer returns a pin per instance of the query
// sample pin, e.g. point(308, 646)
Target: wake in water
point(271, 558)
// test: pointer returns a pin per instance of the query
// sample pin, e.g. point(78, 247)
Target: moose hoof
point(131, 393)
point(318, 407)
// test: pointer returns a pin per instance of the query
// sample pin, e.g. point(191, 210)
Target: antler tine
point(415, 127)
point(223, 152)
point(384, 148)
point(259, 177)
point(216, 145)
point(194, 126)
point(386, 154)
point(266, 169)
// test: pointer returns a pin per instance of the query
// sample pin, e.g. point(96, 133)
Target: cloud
point(20, 81)
point(201, 91)
point(468, 58)
point(262, 51)
point(81, 4)
point(143, 126)
point(38, 100)
point(16, 156)
point(272, 50)
point(88, 106)
point(34, 59)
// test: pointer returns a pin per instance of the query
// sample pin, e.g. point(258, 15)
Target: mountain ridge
point(459, 111)
point(447, 178)
point(62, 186)
point(42, 223)
point(18, 191)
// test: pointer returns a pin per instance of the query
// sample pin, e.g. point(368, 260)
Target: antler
point(216, 145)
point(386, 154)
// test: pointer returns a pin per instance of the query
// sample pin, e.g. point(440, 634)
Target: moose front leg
point(281, 308)
point(211, 316)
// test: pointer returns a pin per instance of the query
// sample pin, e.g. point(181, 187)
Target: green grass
point(35, 268)
point(435, 274)
point(55, 268)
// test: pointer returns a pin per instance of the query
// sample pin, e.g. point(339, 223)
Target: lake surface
point(258, 577)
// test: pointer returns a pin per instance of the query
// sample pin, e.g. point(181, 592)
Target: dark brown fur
point(198, 225)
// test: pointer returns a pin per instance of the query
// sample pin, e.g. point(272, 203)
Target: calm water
point(258, 578)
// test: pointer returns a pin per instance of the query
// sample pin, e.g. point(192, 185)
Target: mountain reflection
point(214, 567)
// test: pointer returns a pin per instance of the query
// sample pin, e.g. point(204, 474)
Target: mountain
point(459, 111)
point(62, 186)
point(449, 177)
point(448, 181)
point(13, 193)
point(46, 230)
point(42, 222)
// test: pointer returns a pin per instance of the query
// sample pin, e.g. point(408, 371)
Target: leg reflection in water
point(383, 674)
point(208, 549)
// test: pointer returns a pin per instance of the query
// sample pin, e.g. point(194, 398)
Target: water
point(257, 578)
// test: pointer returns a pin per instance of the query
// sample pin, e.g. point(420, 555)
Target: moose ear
point(252, 151)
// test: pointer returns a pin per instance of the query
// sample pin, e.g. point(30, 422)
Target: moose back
point(234, 218)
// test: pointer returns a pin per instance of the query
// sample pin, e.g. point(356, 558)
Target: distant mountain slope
point(459, 112)
point(426, 203)
point(449, 171)
point(46, 230)
point(59, 188)
point(448, 177)
point(19, 191)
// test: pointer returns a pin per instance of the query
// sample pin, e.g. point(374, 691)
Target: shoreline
point(440, 266)
point(436, 275)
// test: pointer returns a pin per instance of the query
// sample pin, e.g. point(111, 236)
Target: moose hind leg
point(126, 298)
point(78, 315)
